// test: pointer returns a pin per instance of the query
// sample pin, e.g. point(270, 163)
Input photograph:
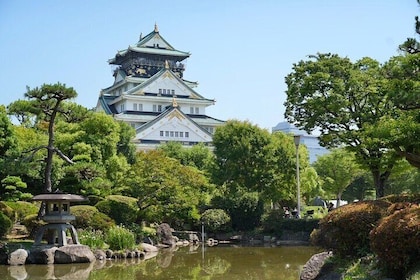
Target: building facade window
point(134, 106)
point(161, 133)
point(197, 110)
point(191, 110)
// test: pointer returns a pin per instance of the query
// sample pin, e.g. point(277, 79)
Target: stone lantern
point(58, 218)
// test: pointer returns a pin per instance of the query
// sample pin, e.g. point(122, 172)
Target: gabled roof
point(152, 43)
point(165, 72)
point(173, 112)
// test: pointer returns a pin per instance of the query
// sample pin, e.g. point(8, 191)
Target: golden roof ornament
point(156, 28)
point(174, 103)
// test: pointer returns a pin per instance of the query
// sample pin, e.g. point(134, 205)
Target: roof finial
point(156, 28)
point(141, 37)
point(166, 64)
point(174, 103)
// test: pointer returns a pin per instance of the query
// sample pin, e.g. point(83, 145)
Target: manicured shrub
point(122, 209)
point(5, 225)
point(23, 209)
point(216, 220)
point(297, 225)
point(345, 230)
point(396, 241)
point(120, 238)
point(32, 223)
point(7, 210)
point(88, 217)
point(394, 198)
point(272, 222)
point(92, 238)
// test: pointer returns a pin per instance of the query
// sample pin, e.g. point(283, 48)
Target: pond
point(218, 262)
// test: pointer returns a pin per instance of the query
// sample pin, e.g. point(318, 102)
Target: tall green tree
point(340, 99)
point(411, 45)
point(337, 170)
point(47, 102)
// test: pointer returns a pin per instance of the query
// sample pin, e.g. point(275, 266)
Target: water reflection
point(221, 262)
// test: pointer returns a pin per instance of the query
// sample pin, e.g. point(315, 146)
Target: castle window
point(159, 108)
point(173, 92)
point(134, 106)
point(140, 107)
point(161, 133)
point(176, 133)
point(181, 134)
point(187, 134)
point(172, 134)
point(166, 133)
point(164, 91)
point(191, 110)
point(154, 108)
point(160, 91)
point(196, 110)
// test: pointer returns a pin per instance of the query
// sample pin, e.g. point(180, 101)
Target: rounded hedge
point(7, 210)
point(346, 229)
point(122, 209)
point(216, 220)
point(5, 225)
point(396, 240)
point(23, 209)
point(89, 217)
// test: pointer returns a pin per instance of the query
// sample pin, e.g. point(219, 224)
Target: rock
point(3, 253)
point(109, 253)
point(164, 234)
point(311, 270)
point(18, 257)
point(73, 254)
point(148, 248)
point(42, 255)
point(99, 254)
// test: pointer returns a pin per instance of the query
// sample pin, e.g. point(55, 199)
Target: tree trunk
point(379, 180)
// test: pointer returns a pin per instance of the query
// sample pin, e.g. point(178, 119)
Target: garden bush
point(395, 198)
point(92, 238)
point(31, 223)
point(7, 210)
point(345, 230)
point(122, 209)
point(23, 209)
point(5, 225)
point(396, 241)
point(88, 217)
point(296, 225)
point(216, 220)
point(120, 238)
point(272, 221)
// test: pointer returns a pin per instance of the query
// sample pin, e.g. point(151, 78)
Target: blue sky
point(240, 50)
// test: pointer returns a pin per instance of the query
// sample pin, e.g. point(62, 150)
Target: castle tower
point(148, 81)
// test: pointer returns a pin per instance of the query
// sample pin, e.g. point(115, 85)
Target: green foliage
point(120, 238)
point(341, 99)
point(95, 239)
point(89, 217)
point(216, 220)
point(345, 230)
point(296, 225)
point(244, 208)
point(23, 209)
point(5, 225)
point(272, 221)
point(7, 210)
point(396, 241)
point(337, 170)
point(167, 190)
point(7, 137)
point(31, 222)
point(122, 209)
point(11, 189)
